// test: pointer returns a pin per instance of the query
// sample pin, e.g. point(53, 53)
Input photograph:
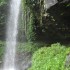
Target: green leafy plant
point(50, 58)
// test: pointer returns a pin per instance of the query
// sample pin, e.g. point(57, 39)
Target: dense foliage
point(3, 12)
point(42, 25)
point(57, 22)
point(51, 58)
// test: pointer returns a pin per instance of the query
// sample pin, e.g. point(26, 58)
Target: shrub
point(50, 58)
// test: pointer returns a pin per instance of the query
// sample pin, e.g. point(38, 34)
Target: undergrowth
point(30, 46)
point(51, 58)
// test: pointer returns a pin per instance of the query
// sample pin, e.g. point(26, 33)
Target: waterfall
point(11, 35)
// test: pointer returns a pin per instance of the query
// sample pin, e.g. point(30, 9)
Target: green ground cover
point(55, 57)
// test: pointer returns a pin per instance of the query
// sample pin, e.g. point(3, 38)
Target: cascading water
point(12, 24)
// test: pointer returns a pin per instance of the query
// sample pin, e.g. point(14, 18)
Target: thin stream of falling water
point(11, 40)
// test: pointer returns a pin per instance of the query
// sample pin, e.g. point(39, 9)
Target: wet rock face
point(58, 22)
point(63, 1)
point(49, 3)
point(23, 60)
